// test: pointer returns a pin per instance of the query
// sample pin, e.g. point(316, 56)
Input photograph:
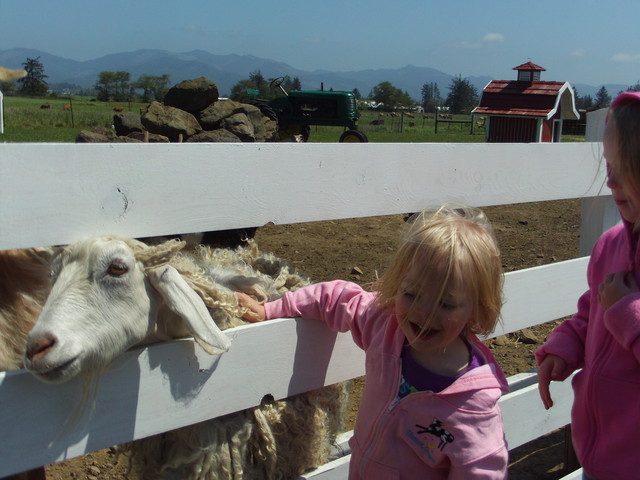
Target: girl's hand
point(256, 311)
point(615, 286)
point(551, 368)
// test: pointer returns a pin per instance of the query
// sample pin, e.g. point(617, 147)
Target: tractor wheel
point(353, 136)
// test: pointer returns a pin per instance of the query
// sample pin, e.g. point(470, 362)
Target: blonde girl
point(429, 407)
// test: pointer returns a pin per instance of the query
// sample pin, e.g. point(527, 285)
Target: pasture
point(26, 121)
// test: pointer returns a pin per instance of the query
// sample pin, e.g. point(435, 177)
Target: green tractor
point(297, 110)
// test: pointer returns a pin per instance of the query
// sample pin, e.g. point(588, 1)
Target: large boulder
point(244, 120)
point(125, 123)
point(169, 121)
point(192, 96)
point(215, 136)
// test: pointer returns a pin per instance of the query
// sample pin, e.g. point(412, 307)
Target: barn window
point(525, 75)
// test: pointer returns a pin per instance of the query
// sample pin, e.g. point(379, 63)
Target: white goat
point(109, 294)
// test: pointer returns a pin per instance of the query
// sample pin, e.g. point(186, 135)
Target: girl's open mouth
point(423, 335)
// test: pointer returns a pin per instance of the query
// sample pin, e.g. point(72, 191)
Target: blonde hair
point(458, 240)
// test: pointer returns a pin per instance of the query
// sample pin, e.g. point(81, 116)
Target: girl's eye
point(117, 269)
point(409, 295)
point(448, 306)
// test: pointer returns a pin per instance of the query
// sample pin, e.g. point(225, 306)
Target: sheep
point(105, 284)
point(24, 285)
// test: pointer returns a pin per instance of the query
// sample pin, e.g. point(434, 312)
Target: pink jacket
point(454, 434)
point(605, 417)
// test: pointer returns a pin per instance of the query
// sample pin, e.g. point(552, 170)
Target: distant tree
point(602, 99)
point(258, 80)
point(634, 88)
point(34, 84)
point(585, 103)
point(154, 87)
point(8, 88)
point(357, 94)
point(243, 91)
point(392, 97)
point(430, 96)
point(463, 96)
point(114, 86)
point(296, 84)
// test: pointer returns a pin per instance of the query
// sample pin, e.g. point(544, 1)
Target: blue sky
point(580, 41)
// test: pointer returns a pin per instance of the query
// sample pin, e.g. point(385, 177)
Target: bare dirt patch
point(358, 249)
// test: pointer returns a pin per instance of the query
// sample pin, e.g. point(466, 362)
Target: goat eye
point(117, 269)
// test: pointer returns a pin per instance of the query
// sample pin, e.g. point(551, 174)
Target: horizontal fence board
point(525, 417)
point(541, 294)
point(166, 386)
point(335, 470)
point(74, 190)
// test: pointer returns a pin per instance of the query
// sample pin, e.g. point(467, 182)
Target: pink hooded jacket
point(453, 434)
point(605, 417)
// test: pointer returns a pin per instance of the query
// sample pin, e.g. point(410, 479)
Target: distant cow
point(45, 106)
point(377, 122)
point(118, 109)
point(67, 106)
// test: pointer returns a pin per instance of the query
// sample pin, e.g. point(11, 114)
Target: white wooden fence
point(57, 193)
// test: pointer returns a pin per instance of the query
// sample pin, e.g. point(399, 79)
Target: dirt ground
point(358, 249)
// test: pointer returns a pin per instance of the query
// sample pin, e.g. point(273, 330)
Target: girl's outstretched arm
point(255, 309)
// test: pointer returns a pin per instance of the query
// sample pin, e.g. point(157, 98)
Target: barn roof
point(527, 99)
point(530, 66)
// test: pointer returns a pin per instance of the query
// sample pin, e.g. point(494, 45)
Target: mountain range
point(227, 70)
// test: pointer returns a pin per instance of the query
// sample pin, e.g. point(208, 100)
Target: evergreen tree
point(463, 96)
point(430, 96)
point(602, 99)
point(34, 84)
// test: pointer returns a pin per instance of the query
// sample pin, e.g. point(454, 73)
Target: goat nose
point(39, 347)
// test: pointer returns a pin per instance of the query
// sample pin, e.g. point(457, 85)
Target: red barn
point(526, 109)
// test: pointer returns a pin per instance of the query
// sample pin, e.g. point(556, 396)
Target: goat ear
point(182, 300)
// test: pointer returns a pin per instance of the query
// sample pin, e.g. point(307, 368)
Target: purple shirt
point(416, 378)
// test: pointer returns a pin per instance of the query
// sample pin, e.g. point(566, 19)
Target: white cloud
point(626, 58)
point(493, 37)
point(581, 52)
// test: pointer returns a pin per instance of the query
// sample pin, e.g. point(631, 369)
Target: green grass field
point(25, 121)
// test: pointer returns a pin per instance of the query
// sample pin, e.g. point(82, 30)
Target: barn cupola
point(529, 72)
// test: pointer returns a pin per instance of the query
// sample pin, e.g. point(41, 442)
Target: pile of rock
point(191, 112)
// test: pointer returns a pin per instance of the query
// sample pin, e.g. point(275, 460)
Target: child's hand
point(256, 311)
point(615, 286)
point(551, 368)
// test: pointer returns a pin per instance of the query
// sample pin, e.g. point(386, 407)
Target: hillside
point(227, 70)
